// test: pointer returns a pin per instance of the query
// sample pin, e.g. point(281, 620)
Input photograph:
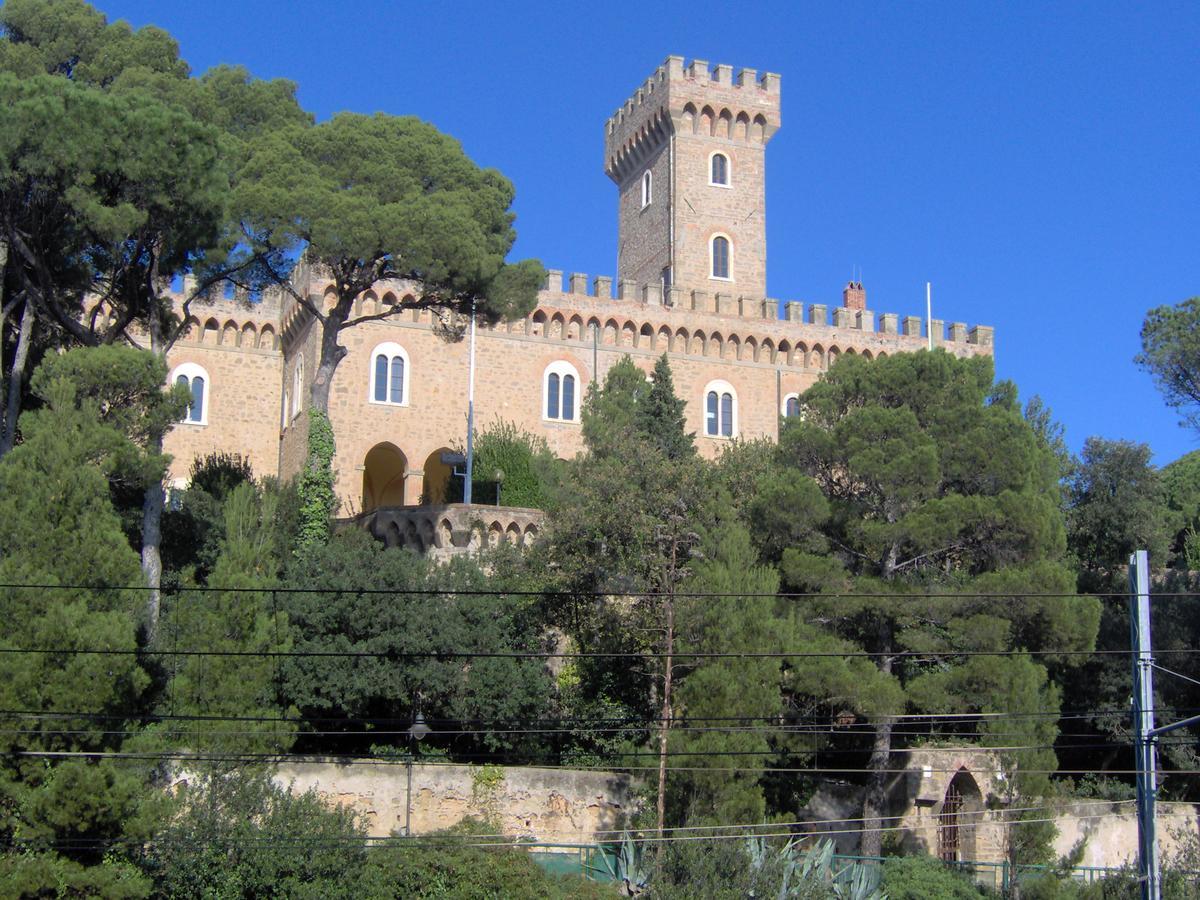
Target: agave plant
point(626, 867)
point(811, 873)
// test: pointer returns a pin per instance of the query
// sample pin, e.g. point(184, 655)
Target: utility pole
point(1143, 723)
point(1145, 732)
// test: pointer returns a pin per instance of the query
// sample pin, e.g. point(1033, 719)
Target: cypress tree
point(660, 415)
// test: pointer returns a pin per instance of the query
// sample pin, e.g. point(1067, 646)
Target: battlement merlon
point(678, 98)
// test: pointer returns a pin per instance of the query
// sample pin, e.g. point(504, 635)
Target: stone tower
point(687, 152)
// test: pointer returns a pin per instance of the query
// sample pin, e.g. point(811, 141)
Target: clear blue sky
point(1038, 162)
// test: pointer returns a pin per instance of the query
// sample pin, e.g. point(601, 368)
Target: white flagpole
point(929, 313)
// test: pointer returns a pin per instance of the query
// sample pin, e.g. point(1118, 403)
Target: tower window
point(559, 389)
point(647, 188)
point(719, 172)
point(389, 375)
point(720, 257)
point(720, 410)
point(791, 405)
point(195, 379)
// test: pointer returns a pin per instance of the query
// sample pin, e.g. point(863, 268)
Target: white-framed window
point(720, 257)
point(196, 380)
point(718, 170)
point(791, 405)
point(720, 410)
point(560, 392)
point(298, 387)
point(390, 375)
point(647, 188)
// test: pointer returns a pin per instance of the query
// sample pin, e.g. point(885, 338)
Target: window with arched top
point(719, 256)
point(718, 170)
point(791, 405)
point(390, 375)
point(196, 380)
point(720, 410)
point(647, 188)
point(560, 392)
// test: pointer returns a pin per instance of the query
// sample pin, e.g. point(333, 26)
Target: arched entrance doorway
point(958, 817)
point(437, 478)
point(383, 477)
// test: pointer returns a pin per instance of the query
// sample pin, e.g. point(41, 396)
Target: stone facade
point(954, 803)
point(722, 335)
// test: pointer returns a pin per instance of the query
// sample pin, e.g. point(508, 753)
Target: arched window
point(791, 405)
point(718, 172)
point(720, 410)
point(195, 379)
point(390, 375)
point(647, 188)
point(560, 392)
point(720, 256)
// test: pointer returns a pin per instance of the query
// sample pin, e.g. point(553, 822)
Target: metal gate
point(949, 848)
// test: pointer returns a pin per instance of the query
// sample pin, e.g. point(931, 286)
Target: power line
point(293, 759)
point(531, 655)
point(731, 595)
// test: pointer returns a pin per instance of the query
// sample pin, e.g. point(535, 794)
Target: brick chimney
point(854, 295)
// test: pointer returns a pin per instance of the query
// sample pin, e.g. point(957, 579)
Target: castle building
point(687, 153)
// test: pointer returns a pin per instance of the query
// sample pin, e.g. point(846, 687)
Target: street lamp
point(417, 731)
point(499, 479)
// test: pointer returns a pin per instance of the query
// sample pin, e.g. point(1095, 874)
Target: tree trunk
point(153, 501)
point(875, 798)
point(664, 725)
point(152, 511)
point(331, 354)
point(10, 402)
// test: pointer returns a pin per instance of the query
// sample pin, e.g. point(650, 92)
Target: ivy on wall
point(317, 499)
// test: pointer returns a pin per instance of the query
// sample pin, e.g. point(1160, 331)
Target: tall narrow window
point(298, 387)
point(720, 410)
point(389, 371)
point(552, 398)
point(559, 384)
point(381, 378)
point(720, 257)
point(791, 405)
point(720, 170)
point(195, 379)
point(647, 188)
point(568, 397)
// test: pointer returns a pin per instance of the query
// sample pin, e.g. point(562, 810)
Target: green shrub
point(525, 461)
point(923, 877)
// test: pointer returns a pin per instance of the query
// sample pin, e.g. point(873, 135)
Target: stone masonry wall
point(548, 805)
point(237, 345)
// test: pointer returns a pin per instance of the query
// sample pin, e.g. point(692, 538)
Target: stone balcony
point(451, 529)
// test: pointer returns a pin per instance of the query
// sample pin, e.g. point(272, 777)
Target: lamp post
point(418, 730)
point(499, 479)
point(470, 412)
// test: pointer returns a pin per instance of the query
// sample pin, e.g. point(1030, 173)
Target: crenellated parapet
point(731, 327)
point(690, 99)
point(230, 320)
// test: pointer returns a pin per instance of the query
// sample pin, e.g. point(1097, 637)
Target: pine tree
point(61, 536)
